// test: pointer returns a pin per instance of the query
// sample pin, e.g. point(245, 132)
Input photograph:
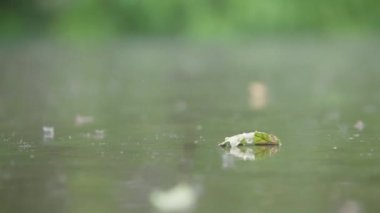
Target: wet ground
point(133, 126)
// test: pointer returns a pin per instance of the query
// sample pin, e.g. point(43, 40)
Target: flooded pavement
point(134, 126)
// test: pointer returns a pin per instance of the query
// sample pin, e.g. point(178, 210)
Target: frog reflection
point(247, 153)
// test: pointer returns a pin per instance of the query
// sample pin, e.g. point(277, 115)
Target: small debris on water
point(23, 145)
point(83, 119)
point(359, 125)
point(48, 132)
point(86, 135)
point(31, 156)
point(173, 135)
point(335, 148)
point(102, 143)
point(99, 134)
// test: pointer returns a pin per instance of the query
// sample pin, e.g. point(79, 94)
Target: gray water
point(134, 120)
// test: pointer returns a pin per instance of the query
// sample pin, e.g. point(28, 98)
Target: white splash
point(48, 132)
point(359, 125)
point(83, 119)
point(180, 198)
point(99, 134)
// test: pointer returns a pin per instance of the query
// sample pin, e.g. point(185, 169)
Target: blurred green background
point(195, 19)
point(157, 106)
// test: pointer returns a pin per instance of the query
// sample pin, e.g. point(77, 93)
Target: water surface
point(135, 118)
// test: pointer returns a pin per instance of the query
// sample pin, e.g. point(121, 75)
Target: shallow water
point(135, 119)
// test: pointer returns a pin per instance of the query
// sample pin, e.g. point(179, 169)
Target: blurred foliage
point(196, 18)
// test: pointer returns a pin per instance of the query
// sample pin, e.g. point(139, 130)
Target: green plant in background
point(85, 18)
point(198, 18)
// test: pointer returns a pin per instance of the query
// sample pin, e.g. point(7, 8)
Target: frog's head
point(262, 138)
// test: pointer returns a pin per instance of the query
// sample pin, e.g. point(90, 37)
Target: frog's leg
point(225, 144)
